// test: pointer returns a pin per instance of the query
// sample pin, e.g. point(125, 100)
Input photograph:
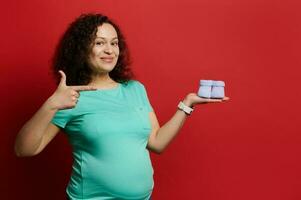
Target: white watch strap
point(185, 108)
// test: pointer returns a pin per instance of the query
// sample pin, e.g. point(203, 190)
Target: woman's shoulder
point(133, 83)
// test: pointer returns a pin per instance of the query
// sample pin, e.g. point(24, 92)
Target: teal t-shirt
point(108, 131)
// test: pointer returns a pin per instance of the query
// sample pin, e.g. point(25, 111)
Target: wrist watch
point(188, 110)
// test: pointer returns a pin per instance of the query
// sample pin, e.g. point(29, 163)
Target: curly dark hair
point(74, 47)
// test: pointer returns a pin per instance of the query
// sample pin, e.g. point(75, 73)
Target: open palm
point(194, 99)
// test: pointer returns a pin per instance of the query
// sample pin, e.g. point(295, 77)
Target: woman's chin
point(104, 70)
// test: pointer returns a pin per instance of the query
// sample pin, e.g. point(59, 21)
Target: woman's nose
point(108, 49)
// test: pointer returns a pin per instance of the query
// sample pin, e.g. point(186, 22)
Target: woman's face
point(105, 49)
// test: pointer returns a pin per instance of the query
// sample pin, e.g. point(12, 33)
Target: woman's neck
point(103, 81)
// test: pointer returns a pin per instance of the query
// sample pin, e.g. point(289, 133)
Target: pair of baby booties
point(211, 89)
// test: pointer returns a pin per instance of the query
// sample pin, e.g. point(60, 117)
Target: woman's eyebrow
point(106, 38)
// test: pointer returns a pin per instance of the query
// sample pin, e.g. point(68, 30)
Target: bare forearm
point(164, 135)
point(31, 134)
point(170, 129)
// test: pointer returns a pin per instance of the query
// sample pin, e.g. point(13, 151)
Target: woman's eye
point(115, 43)
point(99, 43)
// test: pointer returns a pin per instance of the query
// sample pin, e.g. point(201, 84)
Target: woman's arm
point(160, 137)
point(39, 131)
point(30, 137)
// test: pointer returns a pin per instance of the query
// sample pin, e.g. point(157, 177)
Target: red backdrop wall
point(248, 148)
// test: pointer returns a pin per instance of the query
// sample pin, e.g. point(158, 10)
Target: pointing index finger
point(83, 88)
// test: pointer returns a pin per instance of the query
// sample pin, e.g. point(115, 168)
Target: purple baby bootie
point(205, 88)
point(218, 91)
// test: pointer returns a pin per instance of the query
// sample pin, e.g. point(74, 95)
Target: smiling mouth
point(107, 60)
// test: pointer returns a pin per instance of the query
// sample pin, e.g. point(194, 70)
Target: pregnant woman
point(105, 114)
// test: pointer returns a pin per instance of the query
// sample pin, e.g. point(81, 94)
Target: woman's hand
point(193, 99)
point(66, 97)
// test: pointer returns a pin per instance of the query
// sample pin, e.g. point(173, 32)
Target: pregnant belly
point(129, 177)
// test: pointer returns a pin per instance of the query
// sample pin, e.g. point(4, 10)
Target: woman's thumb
point(63, 78)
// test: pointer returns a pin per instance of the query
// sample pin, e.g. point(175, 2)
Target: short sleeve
point(62, 117)
point(145, 97)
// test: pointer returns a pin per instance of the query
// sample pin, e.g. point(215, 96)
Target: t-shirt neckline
point(110, 89)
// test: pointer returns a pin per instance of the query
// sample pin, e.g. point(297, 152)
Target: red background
point(245, 149)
